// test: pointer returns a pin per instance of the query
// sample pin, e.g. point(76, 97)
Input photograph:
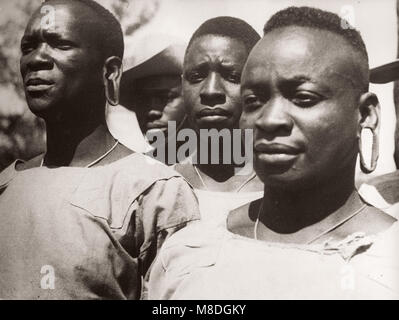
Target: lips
point(208, 112)
point(157, 125)
point(276, 153)
point(276, 148)
point(37, 84)
point(212, 116)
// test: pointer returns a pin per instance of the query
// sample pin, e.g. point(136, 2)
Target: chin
point(46, 111)
point(279, 176)
point(292, 182)
point(39, 109)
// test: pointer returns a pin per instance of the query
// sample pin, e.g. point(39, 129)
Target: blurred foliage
point(22, 135)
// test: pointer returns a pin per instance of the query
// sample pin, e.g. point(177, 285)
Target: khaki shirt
point(87, 233)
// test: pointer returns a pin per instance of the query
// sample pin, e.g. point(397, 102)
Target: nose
point(212, 92)
point(40, 58)
point(275, 118)
point(154, 115)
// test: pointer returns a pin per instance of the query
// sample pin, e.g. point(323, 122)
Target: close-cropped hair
point(230, 27)
point(110, 29)
point(322, 20)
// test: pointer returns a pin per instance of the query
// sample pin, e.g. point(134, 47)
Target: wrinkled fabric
point(200, 262)
point(95, 230)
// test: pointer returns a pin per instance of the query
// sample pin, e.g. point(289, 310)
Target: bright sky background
point(376, 21)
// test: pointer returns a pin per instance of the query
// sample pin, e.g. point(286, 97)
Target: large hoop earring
point(374, 152)
point(113, 96)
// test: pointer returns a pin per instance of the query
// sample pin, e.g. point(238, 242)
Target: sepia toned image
point(199, 150)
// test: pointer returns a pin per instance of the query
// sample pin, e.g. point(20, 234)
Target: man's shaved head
point(323, 20)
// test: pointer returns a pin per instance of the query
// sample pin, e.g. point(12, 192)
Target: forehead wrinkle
point(208, 46)
point(207, 54)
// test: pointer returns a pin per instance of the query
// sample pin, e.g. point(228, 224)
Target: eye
point(59, 43)
point(233, 77)
point(194, 76)
point(63, 45)
point(251, 102)
point(306, 99)
point(27, 47)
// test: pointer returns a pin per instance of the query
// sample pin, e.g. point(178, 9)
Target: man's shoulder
point(113, 191)
point(144, 167)
point(125, 179)
point(371, 221)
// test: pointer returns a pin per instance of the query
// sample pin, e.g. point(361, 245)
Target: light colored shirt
point(214, 206)
point(87, 233)
point(201, 262)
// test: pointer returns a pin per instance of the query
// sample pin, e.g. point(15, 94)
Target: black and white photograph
point(220, 150)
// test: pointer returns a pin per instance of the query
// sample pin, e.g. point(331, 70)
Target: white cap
point(154, 54)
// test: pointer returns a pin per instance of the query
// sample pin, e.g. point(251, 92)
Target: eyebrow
point(300, 78)
point(304, 78)
point(195, 66)
point(222, 62)
point(28, 38)
point(44, 33)
point(295, 80)
point(50, 35)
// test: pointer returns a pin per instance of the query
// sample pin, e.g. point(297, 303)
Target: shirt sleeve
point(166, 207)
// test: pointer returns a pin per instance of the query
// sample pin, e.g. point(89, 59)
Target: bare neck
point(76, 144)
point(221, 171)
point(288, 211)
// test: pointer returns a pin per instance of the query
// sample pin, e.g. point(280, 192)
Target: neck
point(288, 211)
point(74, 142)
point(219, 172)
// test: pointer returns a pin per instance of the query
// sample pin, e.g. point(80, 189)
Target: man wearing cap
point(383, 191)
point(150, 89)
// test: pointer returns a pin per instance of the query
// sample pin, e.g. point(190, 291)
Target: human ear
point(112, 74)
point(369, 123)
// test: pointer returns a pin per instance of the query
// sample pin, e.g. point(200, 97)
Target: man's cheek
point(252, 118)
